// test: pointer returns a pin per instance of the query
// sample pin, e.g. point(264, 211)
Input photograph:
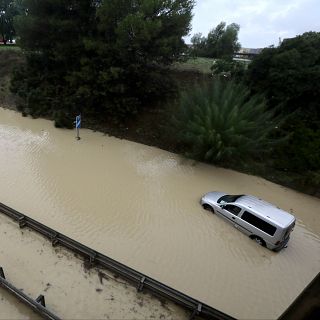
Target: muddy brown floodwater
point(140, 206)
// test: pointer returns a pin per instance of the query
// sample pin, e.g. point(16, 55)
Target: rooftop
point(267, 210)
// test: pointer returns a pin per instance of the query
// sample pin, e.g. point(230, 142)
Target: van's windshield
point(229, 198)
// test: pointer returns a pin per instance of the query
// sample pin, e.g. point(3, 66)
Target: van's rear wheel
point(258, 240)
point(206, 206)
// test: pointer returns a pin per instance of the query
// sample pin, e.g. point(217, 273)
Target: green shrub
point(229, 68)
point(222, 123)
point(301, 153)
point(61, 120)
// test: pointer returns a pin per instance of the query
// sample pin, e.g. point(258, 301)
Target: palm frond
point(221, 122)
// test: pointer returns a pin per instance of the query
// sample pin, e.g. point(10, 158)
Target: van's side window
point(233, 209)
point(259, 223)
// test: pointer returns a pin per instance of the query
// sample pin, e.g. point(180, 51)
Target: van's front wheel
point(258, 240)
point(206, 206)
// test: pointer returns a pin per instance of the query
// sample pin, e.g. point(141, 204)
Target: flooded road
point(71, 291)
point(140, 206)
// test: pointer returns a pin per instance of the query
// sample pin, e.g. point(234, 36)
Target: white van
point(263, 222)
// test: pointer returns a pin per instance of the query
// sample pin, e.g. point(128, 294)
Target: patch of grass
point(11, 47)
point(200, 65)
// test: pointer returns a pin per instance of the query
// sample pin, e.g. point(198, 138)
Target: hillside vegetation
point(10, 58)
point(124, 66)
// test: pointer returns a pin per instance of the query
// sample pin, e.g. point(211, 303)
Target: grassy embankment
point(197, 65)
point(151, 127)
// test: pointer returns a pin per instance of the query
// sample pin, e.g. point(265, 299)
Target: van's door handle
point(234, 218)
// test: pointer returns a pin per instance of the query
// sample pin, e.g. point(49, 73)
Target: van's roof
point(266, 210)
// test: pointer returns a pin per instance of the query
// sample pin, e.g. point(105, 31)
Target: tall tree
point(8, 10)
point(227, 42)
point(199, 44)
point(106, 56)
point(51, 34)
point(221, 42)
point(289, 76)
point(136, 40)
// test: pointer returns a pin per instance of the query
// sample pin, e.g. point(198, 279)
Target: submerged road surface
point(140, 205)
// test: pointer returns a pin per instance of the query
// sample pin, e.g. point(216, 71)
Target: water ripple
point(140, 205)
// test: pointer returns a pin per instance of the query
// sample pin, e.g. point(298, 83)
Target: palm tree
point(222, 123)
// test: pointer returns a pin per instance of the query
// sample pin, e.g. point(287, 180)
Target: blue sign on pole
point(78, 122)
point(78, 125)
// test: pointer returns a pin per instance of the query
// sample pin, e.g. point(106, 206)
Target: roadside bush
point(221, 123)
point(229, 69)
point(302, 151)
point(62, 120)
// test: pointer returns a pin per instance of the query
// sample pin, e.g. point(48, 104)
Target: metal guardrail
point(141, 281)
point(38, 305)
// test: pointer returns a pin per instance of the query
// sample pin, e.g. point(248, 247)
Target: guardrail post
point(41, 300)
point(141, 284)
point(22, 222)
point(54, 240)
point(196, 311)
point(92, 259)
point(2, 273)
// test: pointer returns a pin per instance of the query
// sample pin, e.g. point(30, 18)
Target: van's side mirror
point(222, 206)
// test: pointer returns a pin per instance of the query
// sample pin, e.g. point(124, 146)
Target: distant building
point(247, 53)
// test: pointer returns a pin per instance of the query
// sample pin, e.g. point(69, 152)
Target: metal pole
point(78, 125)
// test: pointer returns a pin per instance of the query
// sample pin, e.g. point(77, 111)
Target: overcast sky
point(262, 22)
